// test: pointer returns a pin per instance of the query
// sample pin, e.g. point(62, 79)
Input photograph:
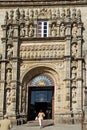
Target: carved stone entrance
point(40, 97)
point(30, 59)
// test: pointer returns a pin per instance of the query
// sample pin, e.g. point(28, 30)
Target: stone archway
point(29, 85)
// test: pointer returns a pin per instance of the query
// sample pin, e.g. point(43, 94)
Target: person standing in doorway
point(5, 124)
point(41, 115)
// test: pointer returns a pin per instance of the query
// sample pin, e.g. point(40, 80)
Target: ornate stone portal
point(59, 55)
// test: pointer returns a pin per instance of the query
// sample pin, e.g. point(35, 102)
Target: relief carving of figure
point(74, 50)
point(10, 32)
point(54, 30)
point(31, 31)
point(74, 95)
point(9, 51)
point(36, 13)
point(74, 73)
point(62, 30)
point(74, 31)
point(8, 97)
point(31, 13)
point(22, 31)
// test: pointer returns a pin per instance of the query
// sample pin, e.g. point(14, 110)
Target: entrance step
point(45, 123)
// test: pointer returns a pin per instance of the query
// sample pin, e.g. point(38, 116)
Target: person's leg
point(40, 122)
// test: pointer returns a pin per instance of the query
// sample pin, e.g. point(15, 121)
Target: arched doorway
point(40, 97)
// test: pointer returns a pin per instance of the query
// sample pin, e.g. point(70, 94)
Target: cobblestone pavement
point(53, 127)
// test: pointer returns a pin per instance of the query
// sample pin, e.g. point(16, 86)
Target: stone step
point(45, 123)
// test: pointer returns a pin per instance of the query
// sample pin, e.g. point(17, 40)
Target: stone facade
point(61, 56)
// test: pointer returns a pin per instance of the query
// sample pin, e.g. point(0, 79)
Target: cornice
point(21, 3)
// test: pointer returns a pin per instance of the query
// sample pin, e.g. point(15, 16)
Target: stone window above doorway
point(42, 29)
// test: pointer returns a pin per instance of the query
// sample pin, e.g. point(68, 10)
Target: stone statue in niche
point(74, 14)
point(68, 12)
point(74, 31)
point(8, 97)
point(22, 31)
point(17, 15)
point(22, 15)
point(10, 32)
point(36, 14)
point(9, 52)
point(31, 31)
point(9, 76)
point(62, 30)
point(74, 95)
point(6, 18)
point(31, 14)
point(74, 73)
point(54, 30)
point(74, 50)
point(63, 13)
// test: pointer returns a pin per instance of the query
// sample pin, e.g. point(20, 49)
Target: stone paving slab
point(54, 127)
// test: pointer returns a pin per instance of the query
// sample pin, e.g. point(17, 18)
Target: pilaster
point(68, 63)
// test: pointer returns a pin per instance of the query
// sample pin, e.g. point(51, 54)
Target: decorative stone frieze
point(38, 52)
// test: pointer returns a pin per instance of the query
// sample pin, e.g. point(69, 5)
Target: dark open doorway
point(40, 98)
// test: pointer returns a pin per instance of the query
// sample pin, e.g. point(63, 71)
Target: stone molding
point(19, 3)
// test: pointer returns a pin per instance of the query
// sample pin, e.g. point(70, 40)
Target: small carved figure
point(54, 30)
point(9, 52)
point(63, 13)
point(62, 30)
point(73, 73)
point(31, 31)
point(17, 15)
point(74, 95)
point(22, 15)
point(74, 14)
point(35, 13)
point(31, 13)
point(22, 31)
point(68, 12)
point(10, 32)
point(6, 18)
point(74, 31)
point(8, 97)
point(74, 50)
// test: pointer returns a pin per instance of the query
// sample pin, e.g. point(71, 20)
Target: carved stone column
point(79, 70)
point(15, 72)
point(68, 63)
point(2, 89)
point(3, 72)
point(79, 85)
